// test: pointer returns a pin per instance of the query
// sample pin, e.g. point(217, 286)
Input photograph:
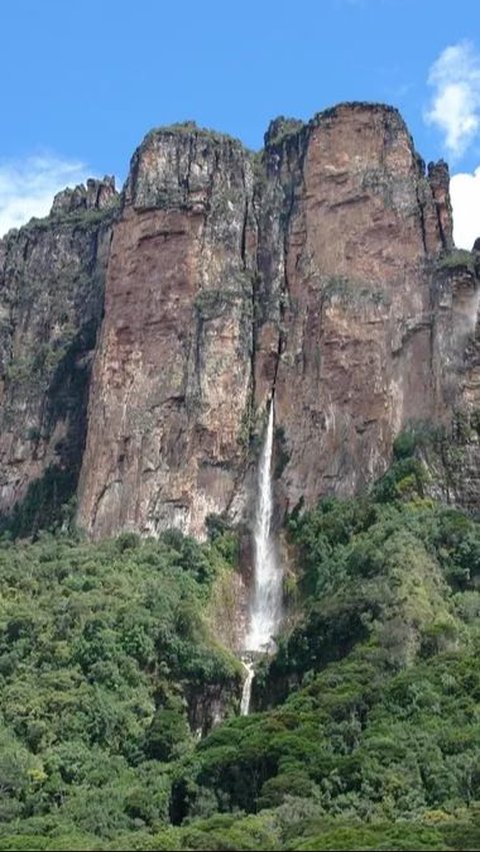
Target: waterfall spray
point(266, 608)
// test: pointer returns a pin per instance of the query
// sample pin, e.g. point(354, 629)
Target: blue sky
point(83, 82)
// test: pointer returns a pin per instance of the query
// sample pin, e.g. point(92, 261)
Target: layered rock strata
point(320, 272)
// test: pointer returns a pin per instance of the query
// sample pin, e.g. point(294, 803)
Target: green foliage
point(404, 445)
point(352, 292)
point(167, 731)
point(81, 218)
point(364, 728)
point(369, 737)
point(406, 478)
point(456, 258)
point(281, 128)
point(49, 504)
point(224, 538)
point(101, 649)
point(380, 836)
point(188, 128)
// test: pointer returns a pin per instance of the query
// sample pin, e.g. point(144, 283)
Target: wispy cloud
point(465, 195)
point(455, 103)
point(27, 186)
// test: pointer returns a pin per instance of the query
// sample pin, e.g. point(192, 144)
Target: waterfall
point(247, 689)
point(266, 607)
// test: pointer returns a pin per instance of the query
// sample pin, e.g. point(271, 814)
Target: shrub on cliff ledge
point(404, 444)
point(457, 258)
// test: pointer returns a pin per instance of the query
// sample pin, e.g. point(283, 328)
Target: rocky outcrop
point(453, 452)
point(171, 387)
point(51, 300)
point(96, 195)
point(354, 285)
point(319, 272)
point(308, 272)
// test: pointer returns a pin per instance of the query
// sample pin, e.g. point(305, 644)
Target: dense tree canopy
point(366, 733)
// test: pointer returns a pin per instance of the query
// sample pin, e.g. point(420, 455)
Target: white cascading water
point(266, 607)
point(247, 689)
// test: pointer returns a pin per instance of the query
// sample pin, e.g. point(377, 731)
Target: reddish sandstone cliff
point(320, 273)
point(357, 323)
point(172, 380)
point(310, 274)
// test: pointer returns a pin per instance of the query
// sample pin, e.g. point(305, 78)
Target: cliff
point(320, 271)
point(51, 301)
point(172, 379)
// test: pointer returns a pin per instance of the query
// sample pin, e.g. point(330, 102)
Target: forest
point(365, 730)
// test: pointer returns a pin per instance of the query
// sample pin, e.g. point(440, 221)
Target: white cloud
point(27, 186)
point(465, 195)
point(455, 104)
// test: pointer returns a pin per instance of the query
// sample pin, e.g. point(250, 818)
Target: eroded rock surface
point(309, 272)
point(357, 325)
point(172, 378)
point(51, 300)
point(320, 272)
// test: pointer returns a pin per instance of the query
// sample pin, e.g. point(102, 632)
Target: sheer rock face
point(454, 460)
point(172, 377)
point(51, 297)
point(357, 340)
point(318, 273)
point(315, 282)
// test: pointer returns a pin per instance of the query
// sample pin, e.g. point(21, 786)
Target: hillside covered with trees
point(366, 730)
